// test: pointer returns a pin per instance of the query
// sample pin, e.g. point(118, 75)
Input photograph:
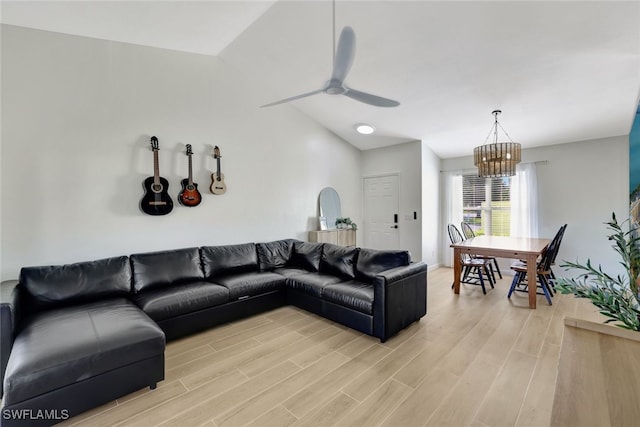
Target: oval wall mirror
point(329, 201)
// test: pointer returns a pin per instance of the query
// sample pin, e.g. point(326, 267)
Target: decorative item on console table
point(322, 221)
point(342, 223)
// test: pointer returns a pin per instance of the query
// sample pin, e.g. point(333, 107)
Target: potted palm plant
point(616, 296)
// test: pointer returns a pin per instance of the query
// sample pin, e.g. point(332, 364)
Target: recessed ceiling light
point(365, 129)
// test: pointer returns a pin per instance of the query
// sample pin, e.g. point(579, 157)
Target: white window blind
point(486, 204)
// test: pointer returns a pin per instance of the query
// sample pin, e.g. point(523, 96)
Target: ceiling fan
point(342, 61)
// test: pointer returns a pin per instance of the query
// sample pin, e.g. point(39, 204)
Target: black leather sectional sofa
point(76, 336)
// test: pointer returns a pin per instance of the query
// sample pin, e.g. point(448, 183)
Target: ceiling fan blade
point(293, 98)
point(370, 99)
point(345, 53)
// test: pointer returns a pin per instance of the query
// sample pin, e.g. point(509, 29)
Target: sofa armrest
point(9, 318)
point(400, 298)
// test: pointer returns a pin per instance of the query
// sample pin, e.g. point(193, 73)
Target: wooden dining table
point(523, 248)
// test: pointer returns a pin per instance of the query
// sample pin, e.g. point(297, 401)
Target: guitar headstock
point(154, 144)
point(216, 152)
point(189, 152)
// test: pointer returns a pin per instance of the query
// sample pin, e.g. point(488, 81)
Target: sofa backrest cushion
point(48, 286)
point(339, 261)
point(306, 255)
point(274, 255)
point(230, 259)
point(153, 270)
point(371, 262)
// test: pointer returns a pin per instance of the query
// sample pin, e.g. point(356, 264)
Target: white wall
point(405, 160)
point(77, 114)
point(430, 207)
point(580, 184)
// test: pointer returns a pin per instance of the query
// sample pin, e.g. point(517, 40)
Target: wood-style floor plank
point(379, 403)
point(474, 360)
point(329, 413)
point(504, 398)
point(321, 390)
point(536, 408)
point(420, 405)
point(262, 402)
point(470, 388)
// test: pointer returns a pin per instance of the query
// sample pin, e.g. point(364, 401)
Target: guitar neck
point(219, 170)
point(156, 169)
point(190, 171)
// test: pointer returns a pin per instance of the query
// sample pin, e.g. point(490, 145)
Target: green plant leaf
point(616, 297)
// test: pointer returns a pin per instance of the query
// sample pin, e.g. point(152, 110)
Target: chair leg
point(465, 273)
point(552, 281)
point(495, 262)
point(545, 287)
point(514, 283)
point(484, 291)
point(489, 272)
point(493, 276)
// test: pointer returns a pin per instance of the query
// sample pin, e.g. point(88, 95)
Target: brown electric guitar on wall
point(156, 199)
point(189, 196)
point(217, 179)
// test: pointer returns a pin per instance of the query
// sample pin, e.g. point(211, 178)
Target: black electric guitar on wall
point(189, 196)
point(156, 199)
point(217, 179)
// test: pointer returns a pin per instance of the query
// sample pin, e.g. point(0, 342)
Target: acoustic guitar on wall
point(189, 196)
point(217, 179)
point(156, 199)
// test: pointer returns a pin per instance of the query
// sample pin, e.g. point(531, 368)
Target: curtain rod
point(538, 162)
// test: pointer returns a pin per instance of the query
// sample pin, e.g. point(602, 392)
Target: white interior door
point(381, 212)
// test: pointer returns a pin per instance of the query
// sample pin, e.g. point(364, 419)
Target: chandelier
point(497, 159)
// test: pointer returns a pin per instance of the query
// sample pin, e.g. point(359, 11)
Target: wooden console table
point(598, 376)
point(340, 237)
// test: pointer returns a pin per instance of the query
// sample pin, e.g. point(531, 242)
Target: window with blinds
point(487, 204)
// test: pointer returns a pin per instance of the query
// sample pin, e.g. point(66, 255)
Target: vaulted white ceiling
point(560, 71)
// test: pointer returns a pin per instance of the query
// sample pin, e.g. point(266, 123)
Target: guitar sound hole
point(156, 188)
point(190, 187)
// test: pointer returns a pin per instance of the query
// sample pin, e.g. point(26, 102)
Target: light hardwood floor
point(473, 360)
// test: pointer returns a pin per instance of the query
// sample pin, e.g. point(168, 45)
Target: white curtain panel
point(524, 201)
point(453, 211)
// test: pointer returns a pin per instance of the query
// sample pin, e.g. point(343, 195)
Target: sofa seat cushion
point(291, 271)
point(250, 284)
point(353, 294)
point(165, 303)
point(59, 347)
point(312, 283)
